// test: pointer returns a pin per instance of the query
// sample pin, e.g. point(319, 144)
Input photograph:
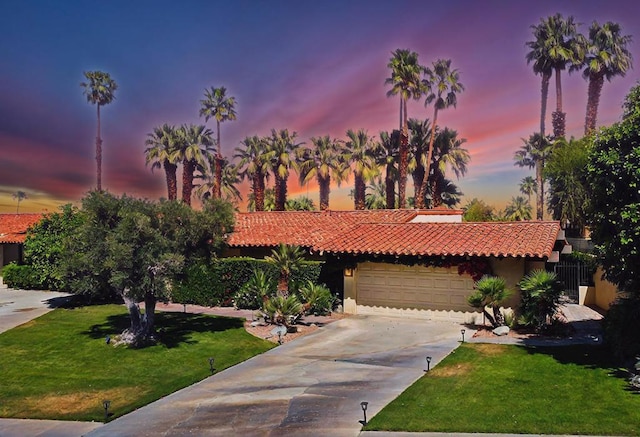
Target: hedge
point(21, 277)
point(216, 283)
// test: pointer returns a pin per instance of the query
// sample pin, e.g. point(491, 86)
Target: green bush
point(283, 311)
point(541, 292)
point(316, 299)
point(21, 277)
point(200, 286)
point(621, 326)
point(253, 294)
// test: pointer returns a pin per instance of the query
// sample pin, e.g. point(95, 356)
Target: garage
point(396, 289)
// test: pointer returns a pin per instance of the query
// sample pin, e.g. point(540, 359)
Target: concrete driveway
point(20, 306)
point(311, 386)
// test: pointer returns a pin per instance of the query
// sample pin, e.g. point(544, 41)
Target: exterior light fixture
point(462, 331)
point(428, 363)
point(105, 405)
point(185, 307)
point(211, 365)
point(348, 272)
point(364, 406)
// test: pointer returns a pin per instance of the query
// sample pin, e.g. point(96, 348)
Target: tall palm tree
point(420, 132)
point(217, 105)
point(162, 151)
point(375, 197)
point(100, 90)
point(405, 80)
point(194, 148)
point(528, 186)
point(19, 196)
point(519, 209)
point(532, 154)
point(322, 161)
point(562, 44)
point(359, 152)
point(254, 165)
point(230, 180)
point(542, 65)
point(386, 155)
point(280, 149)
point(606, 56)
point(443, 84)
point(448, 154)
point(269, 201)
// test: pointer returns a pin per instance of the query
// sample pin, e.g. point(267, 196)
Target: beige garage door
point(412, 287)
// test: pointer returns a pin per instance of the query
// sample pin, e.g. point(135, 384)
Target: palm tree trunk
point(558, 117)
point(188, 168)
point(359, 192)
point(280, 191)
point(436, 189)
point(389, 188)
point(172, 183)
point(98, 154)
point(593, 101)
point(324, 185)
point(258, 191)
point(217, 187)
point(418, 173)
point(403, 157)
point(546, 77)
point(427, 169)
point(540, 193)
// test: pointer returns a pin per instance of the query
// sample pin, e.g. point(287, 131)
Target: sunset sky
point(314, 67)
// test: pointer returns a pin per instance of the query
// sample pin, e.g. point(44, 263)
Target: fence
point(573, 274)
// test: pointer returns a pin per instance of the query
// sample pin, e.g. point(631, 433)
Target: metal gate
point(572, 275)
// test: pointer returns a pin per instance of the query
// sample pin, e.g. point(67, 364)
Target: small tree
point(288, 260)
point(254, 294)
point(491, 291)
point(540, 292)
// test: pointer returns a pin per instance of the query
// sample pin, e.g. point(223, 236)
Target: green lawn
point(59, 366)
point(511, 389)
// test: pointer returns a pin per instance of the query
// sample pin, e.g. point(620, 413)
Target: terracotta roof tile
point(388, 232)
point(13, 227)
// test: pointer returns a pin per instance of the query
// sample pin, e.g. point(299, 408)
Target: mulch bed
point(311, 324)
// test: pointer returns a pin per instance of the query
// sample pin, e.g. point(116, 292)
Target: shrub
point(541, 292)
point(200, 286)
point(21, 277)
point(316, 298)
point(283, 311)
point(621, 326)
point(253, 294)
point(491, 291)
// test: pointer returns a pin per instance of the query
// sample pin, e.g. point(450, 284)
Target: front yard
point(59, 366)
point(510, 389)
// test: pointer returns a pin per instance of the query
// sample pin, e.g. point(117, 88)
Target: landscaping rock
point(501, 330)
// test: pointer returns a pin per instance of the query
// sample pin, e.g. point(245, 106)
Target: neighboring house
point(13, 231)
point(405, 262)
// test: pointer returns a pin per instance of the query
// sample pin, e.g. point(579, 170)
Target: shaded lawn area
point(510, 389)
point(59, 366)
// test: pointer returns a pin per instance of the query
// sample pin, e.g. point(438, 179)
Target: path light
point(106, 404)
point(428, 363)
point(185, 307)
point(364, 405)
point(462, 331)
point(211, 365)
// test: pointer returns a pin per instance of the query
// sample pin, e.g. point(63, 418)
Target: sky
point(313, 67)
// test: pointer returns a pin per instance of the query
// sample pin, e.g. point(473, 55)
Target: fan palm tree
point(287, 259)
point(217, 105)
point(563, 45)
point(448, 153)
point(230, 180)
point(269, 201)
point(280, 148)
point(420, 132)
point(519, 209)
point(532, 154)
point(386, 155)
point(406, 81)
point(528, 186)
point(443, 84)
point(302, 203)
point(542, 65)
point(359, 152)
point(254, 165)
point(19, 196)
point(162, 151)
point(100, 90)
point(322, 161)
point(375, 197)
point(194, 145)
point(606, 56)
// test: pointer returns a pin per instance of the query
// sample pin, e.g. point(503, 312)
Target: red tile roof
point(388, 232)
point(13, 227)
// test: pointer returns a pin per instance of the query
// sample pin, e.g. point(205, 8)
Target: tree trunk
point(558, 117)
point(593, 101)
point(98, 155)
point(283, 285)
point(188, 168)
point(489, 317)
point(141, 330)
point(403, 157)
point(172, 182)
point(324, 185)
point(149, 314)
point(498, 317)
point(217, 191)
point(258, 191)
point(546, 77)
point(427, 169)
point(359, 192)
point(540, 188)
point(280, 191)
point(436, 189)
point(418, 173)
point(389, 188)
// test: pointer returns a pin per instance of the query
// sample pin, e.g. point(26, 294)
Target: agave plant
point(283, 310)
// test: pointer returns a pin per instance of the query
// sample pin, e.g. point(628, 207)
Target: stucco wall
point(605, 291)
point(512, 270)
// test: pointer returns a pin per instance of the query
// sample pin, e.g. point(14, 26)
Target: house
point(417, 263)
point(13, 231)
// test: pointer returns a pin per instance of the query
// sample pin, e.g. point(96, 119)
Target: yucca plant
point(491, 291)
point(283, 310)
point(255, 292)
point(316, 298)
point(541, 292)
